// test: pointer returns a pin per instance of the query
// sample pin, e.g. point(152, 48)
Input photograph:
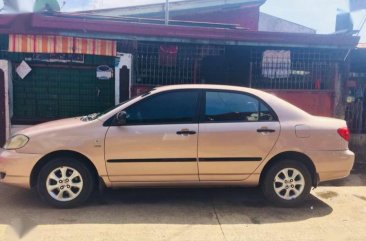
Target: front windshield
point(95, 116)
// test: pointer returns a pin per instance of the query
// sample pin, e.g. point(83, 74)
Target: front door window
point(167, 108)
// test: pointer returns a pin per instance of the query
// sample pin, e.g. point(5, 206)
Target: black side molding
point(221, 159)
point(231, 159)
point(153, 160)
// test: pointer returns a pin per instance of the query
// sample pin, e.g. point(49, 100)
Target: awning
point(21, 43)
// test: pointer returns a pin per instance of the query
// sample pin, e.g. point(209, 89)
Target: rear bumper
point(331, 165)
point(16, 168)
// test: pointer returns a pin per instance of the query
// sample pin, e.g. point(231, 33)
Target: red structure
point(60, 24)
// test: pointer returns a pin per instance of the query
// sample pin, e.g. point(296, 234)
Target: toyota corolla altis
point(186, 135)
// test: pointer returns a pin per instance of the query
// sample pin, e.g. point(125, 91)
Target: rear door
point(237, 131)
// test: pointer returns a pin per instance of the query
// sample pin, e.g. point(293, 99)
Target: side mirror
point(120, 119)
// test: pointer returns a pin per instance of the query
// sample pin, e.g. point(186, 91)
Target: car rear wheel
point(65, 182)
point(287, 183)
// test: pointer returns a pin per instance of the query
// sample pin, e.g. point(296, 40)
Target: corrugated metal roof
point(269, 22)
point(186, 5)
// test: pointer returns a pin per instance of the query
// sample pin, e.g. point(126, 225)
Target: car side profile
point(184, 135)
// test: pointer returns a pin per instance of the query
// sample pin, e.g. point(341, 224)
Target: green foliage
point(46, 5)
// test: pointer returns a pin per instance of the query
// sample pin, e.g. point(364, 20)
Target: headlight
point(16, 142)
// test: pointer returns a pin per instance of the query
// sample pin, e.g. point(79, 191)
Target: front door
point(158, 143)
point(237, 131)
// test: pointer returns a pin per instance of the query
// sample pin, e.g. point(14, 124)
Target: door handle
point(265, 130)
point(186, 132)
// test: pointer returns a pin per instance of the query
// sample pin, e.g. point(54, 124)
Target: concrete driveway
point(336, 211)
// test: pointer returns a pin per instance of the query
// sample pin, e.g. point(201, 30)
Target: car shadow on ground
point(158, 206)
point(357, 178)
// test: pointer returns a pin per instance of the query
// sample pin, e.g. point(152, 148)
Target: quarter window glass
point(265, 113)
point(234, 107)
point(171, 107)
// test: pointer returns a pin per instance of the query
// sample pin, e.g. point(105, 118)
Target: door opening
point(124, 84)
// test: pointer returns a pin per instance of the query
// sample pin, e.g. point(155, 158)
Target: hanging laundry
point(276, 64)
point(168, 55)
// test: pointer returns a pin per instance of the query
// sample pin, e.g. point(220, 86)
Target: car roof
point(202, 86)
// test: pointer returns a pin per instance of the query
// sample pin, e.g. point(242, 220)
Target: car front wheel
point(287, 183)
point(65, 182)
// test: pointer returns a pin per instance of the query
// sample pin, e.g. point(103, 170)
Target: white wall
point(271, 23)
point(5, 66)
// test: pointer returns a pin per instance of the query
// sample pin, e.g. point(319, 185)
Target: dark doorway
point(2, 109)
point(124, 84)
point(214, 70)
point(231, 69)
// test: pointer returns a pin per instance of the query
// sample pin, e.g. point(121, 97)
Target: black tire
point(268, 185)
point(87, 179)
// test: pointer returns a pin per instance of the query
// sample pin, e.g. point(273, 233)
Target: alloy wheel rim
point(64, 184)
point(289, 183)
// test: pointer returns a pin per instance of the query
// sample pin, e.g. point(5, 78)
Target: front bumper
point(331, 165)
point(16, 168)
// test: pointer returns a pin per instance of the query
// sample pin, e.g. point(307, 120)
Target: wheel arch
point(292, 155)
point(64, 153)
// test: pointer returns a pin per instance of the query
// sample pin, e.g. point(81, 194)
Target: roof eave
point(108, 29)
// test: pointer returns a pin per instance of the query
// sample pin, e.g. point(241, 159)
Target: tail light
point(344, 133)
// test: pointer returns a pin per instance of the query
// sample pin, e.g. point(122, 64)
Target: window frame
point(203, 120)
point(195, 120)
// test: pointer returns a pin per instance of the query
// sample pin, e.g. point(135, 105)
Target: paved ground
point(336, 211)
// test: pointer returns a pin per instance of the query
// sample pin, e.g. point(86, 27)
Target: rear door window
point(221, 106)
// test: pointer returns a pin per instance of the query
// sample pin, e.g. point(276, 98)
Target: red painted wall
point(140, 89)
point(247, 17)
point(314, 102)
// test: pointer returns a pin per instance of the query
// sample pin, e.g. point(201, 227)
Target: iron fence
point(167, 64)
point(293, 69)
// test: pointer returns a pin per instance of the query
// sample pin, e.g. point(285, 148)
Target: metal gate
point(356, 106)
point(59, 91)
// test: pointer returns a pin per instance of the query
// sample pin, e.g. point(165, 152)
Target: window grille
point(167, 64)
point(293, 69)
